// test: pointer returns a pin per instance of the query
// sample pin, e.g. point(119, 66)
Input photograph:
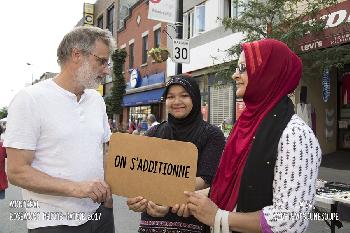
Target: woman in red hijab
point(268, 170)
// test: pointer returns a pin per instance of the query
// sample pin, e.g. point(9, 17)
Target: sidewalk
point(334, 167)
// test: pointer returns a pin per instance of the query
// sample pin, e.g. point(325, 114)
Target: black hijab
point(190, 128)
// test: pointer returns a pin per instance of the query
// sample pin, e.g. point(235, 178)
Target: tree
point(3, 112)
point(284, 20)
point(114, 102)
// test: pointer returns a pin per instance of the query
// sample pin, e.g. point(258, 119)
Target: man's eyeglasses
point(103, 61)
point(241, 68)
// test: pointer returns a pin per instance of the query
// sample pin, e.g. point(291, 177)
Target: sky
point(30, 33)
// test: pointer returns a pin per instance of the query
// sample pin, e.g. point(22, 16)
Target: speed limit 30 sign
point(181, 51)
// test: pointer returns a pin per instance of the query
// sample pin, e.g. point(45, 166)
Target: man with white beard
point(54, 140)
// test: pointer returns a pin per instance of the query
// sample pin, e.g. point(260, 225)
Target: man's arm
point(22, 174)
point(109, 199)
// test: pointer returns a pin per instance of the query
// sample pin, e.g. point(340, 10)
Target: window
point(200, 19)
point(131, 56)
point(194, 22)
point(157, 38)
point(100, 22)
point(221, 104)
point(144, 49)
point(231, 8)
point(110, 18)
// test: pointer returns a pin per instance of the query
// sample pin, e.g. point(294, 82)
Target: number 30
point(183, 53)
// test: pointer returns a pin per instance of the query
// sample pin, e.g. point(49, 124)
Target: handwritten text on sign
point(144, 165)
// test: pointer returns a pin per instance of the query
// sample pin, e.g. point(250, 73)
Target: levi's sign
point(159, 170)
point(336, 31)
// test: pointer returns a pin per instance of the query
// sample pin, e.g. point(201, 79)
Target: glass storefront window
point(139, 115)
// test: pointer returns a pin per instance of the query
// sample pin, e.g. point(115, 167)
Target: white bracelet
point(217, 223)
point(224, 221)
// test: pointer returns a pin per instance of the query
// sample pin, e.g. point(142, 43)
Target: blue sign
point(135, 78)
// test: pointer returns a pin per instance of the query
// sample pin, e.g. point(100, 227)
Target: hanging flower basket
point(158, 54)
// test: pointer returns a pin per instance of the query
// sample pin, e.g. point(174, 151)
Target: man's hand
point(137, 204)
point(108, 203)
point(156, 210)
point(97, 190)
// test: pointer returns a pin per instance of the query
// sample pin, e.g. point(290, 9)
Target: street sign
point(88, 14)
point(181, 51)
point(163, 10)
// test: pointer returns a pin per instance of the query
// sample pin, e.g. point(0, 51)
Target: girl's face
point(178, 102)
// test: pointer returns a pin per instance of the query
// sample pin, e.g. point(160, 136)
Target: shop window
point(139, 115)
point(144, 49)
point(344, 118)
point(221, 107)
point(110, 18)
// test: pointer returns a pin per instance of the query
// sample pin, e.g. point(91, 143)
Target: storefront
point(143, 96)
point(217, 99)
point(323, 102)
point(344, 109)
point(222, 100)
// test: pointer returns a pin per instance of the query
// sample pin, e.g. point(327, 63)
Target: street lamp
point(29, 64)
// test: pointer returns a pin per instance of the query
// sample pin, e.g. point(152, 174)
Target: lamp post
point(30, 64)
point(178, 66)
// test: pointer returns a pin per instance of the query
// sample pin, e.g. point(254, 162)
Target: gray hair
point(151, 118)
point(84, 39)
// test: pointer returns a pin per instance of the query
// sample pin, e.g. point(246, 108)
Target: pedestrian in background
point(132, 125)
point(152, 121)
point(3, 177)
point(270, 163)
point(55, 134)
point(185, 123)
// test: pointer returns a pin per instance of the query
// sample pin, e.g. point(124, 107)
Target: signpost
point(171, 11)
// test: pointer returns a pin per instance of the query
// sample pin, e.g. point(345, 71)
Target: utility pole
point(29, 64)
point(179, 26)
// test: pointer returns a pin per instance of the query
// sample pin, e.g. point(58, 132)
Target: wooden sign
point(159, 170)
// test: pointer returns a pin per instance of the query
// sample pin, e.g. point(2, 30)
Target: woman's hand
point(137, 204)
point(156, 210)
point(202, 208)
point(181, 210)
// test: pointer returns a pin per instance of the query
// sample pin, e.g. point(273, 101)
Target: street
point(127, 221)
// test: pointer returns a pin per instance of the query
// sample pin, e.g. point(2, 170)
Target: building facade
point(145, 78)
point(326, 99)
point(209, 42)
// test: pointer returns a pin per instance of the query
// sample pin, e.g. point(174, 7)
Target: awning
point(143, 98)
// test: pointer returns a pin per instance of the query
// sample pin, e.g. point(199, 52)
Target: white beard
point(86, 77)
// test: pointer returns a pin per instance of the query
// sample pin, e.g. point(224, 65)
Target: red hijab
point(273, 72)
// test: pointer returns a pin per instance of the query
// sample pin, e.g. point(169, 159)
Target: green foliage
point(3, 112)
point(284, 20)
point(114, 102)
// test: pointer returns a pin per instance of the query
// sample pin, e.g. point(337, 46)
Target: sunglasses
point(241, 68)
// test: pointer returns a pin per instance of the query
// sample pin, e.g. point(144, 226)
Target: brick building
point(137, 35)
